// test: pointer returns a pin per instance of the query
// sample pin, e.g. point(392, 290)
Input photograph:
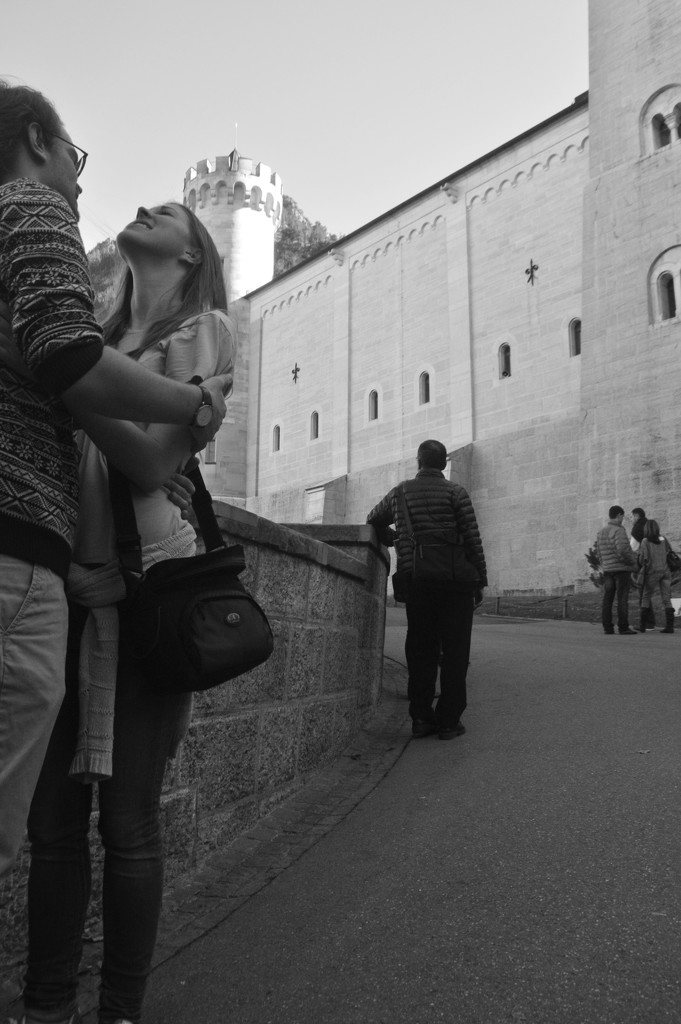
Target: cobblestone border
point(196, 903)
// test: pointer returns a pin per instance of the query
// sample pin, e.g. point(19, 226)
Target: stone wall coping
point(298, 540)
point(344, 535)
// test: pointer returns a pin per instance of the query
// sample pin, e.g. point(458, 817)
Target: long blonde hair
point(202, 289)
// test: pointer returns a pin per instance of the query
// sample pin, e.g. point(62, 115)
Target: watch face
point(203, 416)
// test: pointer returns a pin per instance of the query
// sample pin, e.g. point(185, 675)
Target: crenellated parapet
point(241, 205)
point(233, 181)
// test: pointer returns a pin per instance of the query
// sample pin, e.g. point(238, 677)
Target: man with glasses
point(64, 370)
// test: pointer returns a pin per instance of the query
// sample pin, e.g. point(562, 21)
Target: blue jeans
point(33, 618)
point(147, 727)
point(616, 583)
point(663, 580)
point(439, 626)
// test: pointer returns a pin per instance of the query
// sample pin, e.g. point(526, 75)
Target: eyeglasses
point(80, 162)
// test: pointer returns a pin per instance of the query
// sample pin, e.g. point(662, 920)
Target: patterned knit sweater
point(44, 279)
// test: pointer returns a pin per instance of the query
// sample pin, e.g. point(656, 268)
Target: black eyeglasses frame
point(82, 159)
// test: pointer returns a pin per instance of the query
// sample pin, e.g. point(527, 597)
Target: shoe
point(422, 727)
point(75, 1018)
point(449, 732)
point(609, 632)
point(669, 616)
point(627, 632)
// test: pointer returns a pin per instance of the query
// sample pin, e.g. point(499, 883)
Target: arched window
point(659, 119)
point(575, 337)
point(504, 361)
point(209, 453)
point(314, 426)
point(665, 286)
point(424, 388)
point(373, 405)
point(239, 194)
point(276, 438)
point(662, 135)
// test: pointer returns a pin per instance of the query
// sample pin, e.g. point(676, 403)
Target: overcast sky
point(357, 104)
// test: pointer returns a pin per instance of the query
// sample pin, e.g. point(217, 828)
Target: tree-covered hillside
point(106, 267)
point(297, 238)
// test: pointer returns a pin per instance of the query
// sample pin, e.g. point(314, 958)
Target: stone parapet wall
point(257, 739)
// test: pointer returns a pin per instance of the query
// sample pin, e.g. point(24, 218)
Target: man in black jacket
point(439, 612)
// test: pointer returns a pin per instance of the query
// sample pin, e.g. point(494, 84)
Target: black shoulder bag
point(673, 560)
point(439, 553)
point(189, 622)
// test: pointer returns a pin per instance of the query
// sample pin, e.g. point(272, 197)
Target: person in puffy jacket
point(439, 612)
point(617, 561)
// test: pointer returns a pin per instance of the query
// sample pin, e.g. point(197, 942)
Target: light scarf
point(100, 590)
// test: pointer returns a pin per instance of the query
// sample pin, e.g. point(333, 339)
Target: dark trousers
point(439, 625)
point(618, 583)
point(146, 729)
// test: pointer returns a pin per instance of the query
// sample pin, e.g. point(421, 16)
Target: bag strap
point(426, 531)
point(128, 539)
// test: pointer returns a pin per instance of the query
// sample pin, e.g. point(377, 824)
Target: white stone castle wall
point(439, 284)
point(630, 450)
point(438, 287)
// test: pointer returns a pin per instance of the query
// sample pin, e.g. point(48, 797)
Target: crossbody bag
point(189, 623)
point(439, 555)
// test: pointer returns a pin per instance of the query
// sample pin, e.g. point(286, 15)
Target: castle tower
point(241, 207)
point(630, 438)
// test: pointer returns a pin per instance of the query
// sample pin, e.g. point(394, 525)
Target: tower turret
point(241, 207)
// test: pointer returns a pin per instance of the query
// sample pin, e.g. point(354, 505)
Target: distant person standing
point(439, 612)
point(617, 562)
point(637, 534)
point(652, 557)
point(637, 530)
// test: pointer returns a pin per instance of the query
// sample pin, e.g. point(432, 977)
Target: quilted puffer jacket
point(433, 502)
point(614, 549)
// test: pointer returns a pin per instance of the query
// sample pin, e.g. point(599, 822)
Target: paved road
point(529, 871)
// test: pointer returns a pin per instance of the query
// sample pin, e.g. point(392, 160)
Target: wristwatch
point(204, 414)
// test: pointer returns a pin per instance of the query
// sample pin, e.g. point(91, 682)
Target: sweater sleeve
point(44, 278)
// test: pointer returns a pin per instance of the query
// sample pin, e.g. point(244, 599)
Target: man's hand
point(180, 490)
point(386, 536)
point(477, 598)
point(218, 388)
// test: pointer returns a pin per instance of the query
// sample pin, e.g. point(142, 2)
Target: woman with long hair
point(652, 557)
point(171, 317)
